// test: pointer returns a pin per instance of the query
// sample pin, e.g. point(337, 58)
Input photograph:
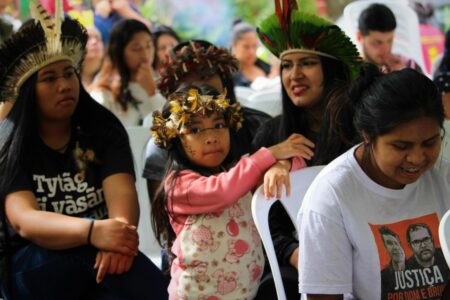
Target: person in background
point(244, 46)
point(376, 26)
point(164, 40)
point(203, 211)
point(393, 178)
point(126, 83)
point(108, 12)
point(442, 80)
point(318, 61)
point(68, 200)
point(93, 60)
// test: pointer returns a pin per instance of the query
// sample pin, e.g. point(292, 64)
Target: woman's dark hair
point(18, 137)
point(383, 102)
point(239, 29)
point(295, 119)
point(157, 32)
point(178, 161)
point(121, 34)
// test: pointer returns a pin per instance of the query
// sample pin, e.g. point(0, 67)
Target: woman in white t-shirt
point(369, 220)
point(126, 84)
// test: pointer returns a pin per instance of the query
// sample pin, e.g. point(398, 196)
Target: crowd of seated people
point(367, 228)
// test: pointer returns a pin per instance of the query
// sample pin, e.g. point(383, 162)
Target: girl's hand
point(275, 178)
point(116, 236)
point(295, 145)
point(111, 263)
point(144, 76)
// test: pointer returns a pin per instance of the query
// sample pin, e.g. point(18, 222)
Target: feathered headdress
point(195, 58)
point(289, 30)
point(37, 45)
point(183, 106)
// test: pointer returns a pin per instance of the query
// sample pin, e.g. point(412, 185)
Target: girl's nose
point(211, 137)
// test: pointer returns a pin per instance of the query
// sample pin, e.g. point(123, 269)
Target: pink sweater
point(199, 195)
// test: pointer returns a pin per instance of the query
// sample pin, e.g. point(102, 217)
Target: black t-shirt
point(54, 179)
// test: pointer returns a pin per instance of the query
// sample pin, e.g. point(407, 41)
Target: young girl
point(207, 214)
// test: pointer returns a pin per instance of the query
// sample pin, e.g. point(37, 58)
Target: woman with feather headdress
point(318, 61)
point(69, 207)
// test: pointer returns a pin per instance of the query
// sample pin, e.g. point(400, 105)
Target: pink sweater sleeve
point(196, 194)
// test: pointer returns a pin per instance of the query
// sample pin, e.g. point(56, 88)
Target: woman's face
point(57, 91)
point(302, 78)
point(94, 46)
point(206, 140)
point(213, 81)
point(164, 44)
point(245, 48)
point(401, 156)
point(139, 51)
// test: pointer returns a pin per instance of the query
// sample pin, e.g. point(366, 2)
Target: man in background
point(376, 27)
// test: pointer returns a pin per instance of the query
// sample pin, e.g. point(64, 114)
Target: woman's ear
point(366, 138)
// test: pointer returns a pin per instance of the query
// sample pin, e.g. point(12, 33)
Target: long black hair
point(333, 135)
point(121, 34)
point(178, 161)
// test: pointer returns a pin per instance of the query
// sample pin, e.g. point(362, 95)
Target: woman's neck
point(56, 135)
point(314, 117)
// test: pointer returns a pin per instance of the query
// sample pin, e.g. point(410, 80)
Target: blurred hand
point(275, 178)
point(144, 76)
point(394, 62)
point(111, 263)
point(295, 145)
point(103, 8)
point(113, 235)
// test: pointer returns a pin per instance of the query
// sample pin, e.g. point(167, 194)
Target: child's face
point(206, 140)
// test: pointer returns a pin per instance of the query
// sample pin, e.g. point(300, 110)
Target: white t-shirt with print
point(341, 248)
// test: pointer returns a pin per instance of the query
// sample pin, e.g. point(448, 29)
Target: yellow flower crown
point(183, 106)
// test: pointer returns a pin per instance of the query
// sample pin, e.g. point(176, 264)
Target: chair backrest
point(407, 34)
point(148, 245)
point(444, 236)
point(300, 181)
point(268, 101)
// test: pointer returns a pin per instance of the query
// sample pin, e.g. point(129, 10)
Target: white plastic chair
point(444, 236)
point(406, 36)
point(300, 181)
point(268, 101)
point(243, 93)
point(148, 245)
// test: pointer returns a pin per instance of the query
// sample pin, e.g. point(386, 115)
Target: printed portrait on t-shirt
point(412, 265)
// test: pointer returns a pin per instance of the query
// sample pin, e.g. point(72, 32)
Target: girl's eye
point(195, 130)
point(220, 126)
point(69, 74)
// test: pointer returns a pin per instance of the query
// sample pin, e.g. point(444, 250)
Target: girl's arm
point(196, 194)
point(57, 231)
